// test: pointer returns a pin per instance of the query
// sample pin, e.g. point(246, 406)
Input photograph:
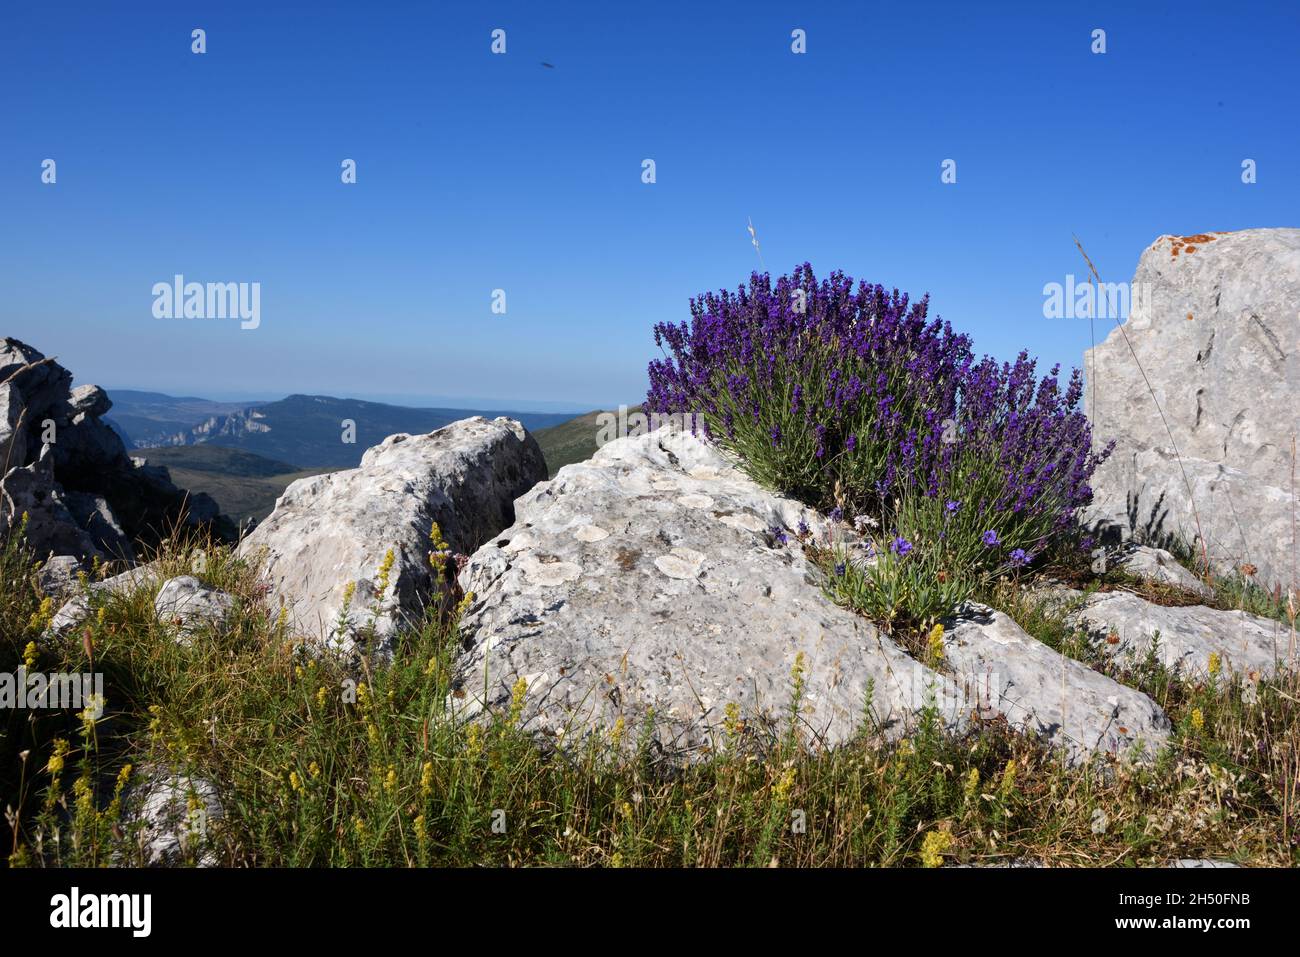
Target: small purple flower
point(778, 534)
point(952, 507)
point(851, 442)
point(803, 529)
point(900, 546)
point(776, 436)
point(989, 538)
point(1018, 557)
point(840, 569)
point(837, 514)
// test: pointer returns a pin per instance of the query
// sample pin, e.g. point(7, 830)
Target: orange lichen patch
point(1189, 243)
point(1189, 317)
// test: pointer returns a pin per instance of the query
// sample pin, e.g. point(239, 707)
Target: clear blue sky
point(479, 172)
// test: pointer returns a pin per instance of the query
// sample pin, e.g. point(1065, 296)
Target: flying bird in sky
point(549, 66)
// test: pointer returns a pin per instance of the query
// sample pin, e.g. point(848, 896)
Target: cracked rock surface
point(1215, 330)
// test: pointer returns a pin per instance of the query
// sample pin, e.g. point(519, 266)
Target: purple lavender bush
point(851, 398)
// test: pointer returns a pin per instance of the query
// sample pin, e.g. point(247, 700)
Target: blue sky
point(479, 171)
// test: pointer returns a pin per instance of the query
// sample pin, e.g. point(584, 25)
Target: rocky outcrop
point(190, 606)
point(1159, 567)
point(1215, 330)
point(321, 550)
point(1183, 638)
point(171, 818)
point(77, 607)
point(1044, 693)
point(64, 468)
point(656, 585)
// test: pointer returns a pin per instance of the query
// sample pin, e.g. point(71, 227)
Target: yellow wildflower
point(462, 606)
point(55, 767)
point(359, 825)
point(474, 741)
point(295, 782)
point(390, 780)
point(385, 570)
point(616, 737)
point(313, 769)
point(934, 645)
point(123, 777)
point(42, 616)
point(1215, 663)
point(731, 722)
point(426, 779)
point(782, 790)
point(29, 655)
point(1198, 720)
point(320, 696)
point(935, 845)
point(517, 694)
point(972, 785)
point(421, 831)
point(1008, 784)
point(435, 536)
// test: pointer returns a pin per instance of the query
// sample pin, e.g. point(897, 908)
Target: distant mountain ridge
point(309, 431)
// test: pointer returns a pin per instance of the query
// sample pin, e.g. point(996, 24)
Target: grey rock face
point(643, 585)
point(1219, 338)
point(58, 576)
point(1195, 862)
point(43, 385)
point(13, 438)
point(1188, 635)
point(644, 580)
point(51, 529)
point(171, 817)
point(76, 609)
point(95, 515)
point(90, 399)
point(190, 605)
point(1157, 565)
point(1046, 694)
point(57, 455)
point(329, 531)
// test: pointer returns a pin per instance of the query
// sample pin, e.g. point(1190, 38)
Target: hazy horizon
point(409, 401)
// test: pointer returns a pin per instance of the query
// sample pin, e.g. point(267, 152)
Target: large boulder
point(1214, 333)
point(1042, 692)
point(1184, 637)
point(657, 584)
point(320, 551)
